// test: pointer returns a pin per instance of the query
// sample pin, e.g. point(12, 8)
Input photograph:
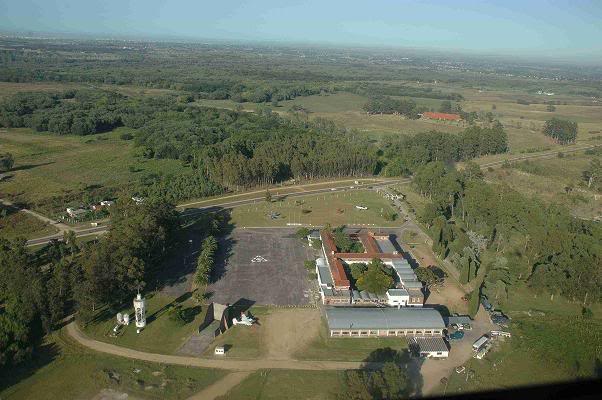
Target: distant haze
point(561, 29)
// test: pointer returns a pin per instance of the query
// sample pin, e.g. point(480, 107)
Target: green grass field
point(161, 335)
point(335, 208)
point(48, 165)
point(19, 224)
point(293, 385)
point(542, 350)
point(557, 180)
point(64, 370)
point(346, 349)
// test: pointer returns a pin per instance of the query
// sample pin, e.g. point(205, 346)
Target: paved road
point(215, 204)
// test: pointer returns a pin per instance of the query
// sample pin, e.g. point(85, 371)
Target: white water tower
point(140, 311)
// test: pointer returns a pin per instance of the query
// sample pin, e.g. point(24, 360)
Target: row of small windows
point(388, 333)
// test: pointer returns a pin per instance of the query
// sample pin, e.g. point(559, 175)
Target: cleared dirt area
point(287, 331)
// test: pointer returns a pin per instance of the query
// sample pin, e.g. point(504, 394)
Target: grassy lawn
point(334, 208)
point(64, 370)
point(244, 342)
point(19, 224)
point(161, 335)
point(346, 349)
point(294, 385)
point(543, 350)
point(48, 165)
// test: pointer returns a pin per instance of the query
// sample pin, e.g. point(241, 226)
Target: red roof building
point(442, 116)
point(334, 258)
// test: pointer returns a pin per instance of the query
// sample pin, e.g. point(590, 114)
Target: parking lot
point(264, 266)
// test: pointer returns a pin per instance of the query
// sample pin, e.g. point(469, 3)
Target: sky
point(561, 26)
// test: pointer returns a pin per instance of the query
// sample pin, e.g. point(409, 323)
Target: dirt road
point(235, 365)
point(221, 387)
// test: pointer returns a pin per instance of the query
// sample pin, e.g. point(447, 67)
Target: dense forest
point(493, 233)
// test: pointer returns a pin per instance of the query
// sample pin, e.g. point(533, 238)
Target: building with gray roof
point(430, 347)
point(365, 322)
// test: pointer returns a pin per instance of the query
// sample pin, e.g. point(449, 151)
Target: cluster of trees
point(37, 290)
point(129, 255)
point(406, 153)
point(375, 277)
point(71, 112)
point(205, 261)
point(391, 382)
point(376, 89)
point(344, 242)
point(593, 174)
point(6, 162)
point(561, 130)
point(389, 105)
point(516, 239)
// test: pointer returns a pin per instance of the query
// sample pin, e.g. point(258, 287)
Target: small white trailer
point(480, 342)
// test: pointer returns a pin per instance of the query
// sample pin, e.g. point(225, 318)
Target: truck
point(480, 342)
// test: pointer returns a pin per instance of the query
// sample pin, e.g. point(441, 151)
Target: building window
point(373, 332)
point(364, 332)
point(391, 333)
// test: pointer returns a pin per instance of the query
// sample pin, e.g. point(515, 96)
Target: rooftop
point(445, 116)
point(429, 344)
point(384, 318)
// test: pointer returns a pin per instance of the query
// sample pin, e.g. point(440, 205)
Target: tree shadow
point(41, 356)
point(30, 166)
point(376, 360)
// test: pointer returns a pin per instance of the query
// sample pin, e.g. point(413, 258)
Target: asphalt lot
point(263, 266)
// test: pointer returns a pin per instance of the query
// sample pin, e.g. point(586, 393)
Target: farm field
point(64, 370)
point(294, 385)
point(50, 166)
point(336, 208)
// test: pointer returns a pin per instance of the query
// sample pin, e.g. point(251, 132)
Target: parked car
point(466, 327)
point(457, 335)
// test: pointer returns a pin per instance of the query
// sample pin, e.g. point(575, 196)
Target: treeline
point(563, 131)
point(71, 112)
point(406, 153)
point(38, 290)
point(236, 150)
point(516, 239)
point(376, 89)
point(205, 261)
point(388, 105)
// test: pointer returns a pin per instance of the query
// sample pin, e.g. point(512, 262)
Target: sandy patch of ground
point(110, 394)
point(221, 387)
point(289, 330)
